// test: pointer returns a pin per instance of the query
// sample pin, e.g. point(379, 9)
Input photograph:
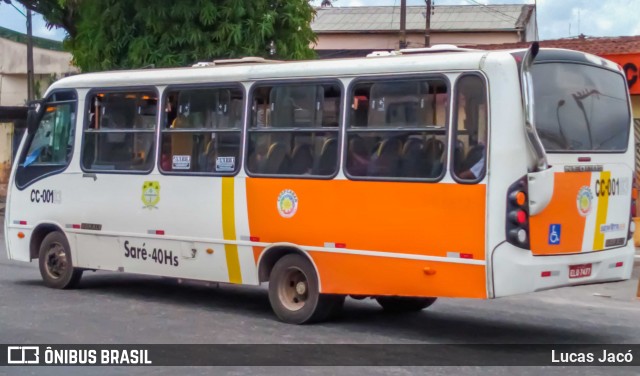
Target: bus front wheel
point(404, 304)
point(294, 292)
point(56, 267)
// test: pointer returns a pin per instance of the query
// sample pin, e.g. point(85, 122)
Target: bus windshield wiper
point(579, 97)
point(561, 103)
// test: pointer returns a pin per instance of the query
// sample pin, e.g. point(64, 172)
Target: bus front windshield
point(580, 108)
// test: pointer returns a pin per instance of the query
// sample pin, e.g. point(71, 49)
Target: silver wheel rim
point(293, 290)
point(55, 261)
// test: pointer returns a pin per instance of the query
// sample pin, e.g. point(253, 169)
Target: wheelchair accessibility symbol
point(554, 234)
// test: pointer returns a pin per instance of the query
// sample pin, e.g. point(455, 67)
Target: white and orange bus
point(403, 178)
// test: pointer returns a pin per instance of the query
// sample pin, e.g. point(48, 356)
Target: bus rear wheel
point(294, 292)
point(56, 267)
point(404, 304)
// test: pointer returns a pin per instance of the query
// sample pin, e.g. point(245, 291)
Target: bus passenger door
point(116, 188)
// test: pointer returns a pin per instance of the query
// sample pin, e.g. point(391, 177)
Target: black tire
point(399, 304)
point(56, 266)
point(294, 292)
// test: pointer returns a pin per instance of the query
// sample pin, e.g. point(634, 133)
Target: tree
point(57, 13)
point(118, 34)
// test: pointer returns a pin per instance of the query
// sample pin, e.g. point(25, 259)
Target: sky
point(556, 18)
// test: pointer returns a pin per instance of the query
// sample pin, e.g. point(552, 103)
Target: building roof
point(444, 18)
point(37, 41)
point(592, 45)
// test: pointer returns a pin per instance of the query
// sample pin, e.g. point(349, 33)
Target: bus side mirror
point(32, 120)
point(32, 116)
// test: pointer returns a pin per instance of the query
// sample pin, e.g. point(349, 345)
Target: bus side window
point(294, 129)
point(202, 130)
point(397, 129)
point(50, 147)
point(119, 134)
point(470, 147)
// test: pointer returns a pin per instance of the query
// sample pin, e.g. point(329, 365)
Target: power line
point(393, 11)
point(489, 9)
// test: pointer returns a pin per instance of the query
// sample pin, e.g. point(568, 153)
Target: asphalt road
point(113, 308)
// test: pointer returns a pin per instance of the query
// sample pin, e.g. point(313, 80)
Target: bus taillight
point(517, 227)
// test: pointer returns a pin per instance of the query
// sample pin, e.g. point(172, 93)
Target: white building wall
point(13, 70)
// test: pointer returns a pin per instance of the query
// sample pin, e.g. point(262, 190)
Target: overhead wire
point(393, 11)
point(488, 9)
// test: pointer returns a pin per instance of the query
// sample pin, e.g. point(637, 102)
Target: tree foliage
point(57, 13)
point(114, 34)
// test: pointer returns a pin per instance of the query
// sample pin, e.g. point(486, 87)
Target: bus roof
point(292, 69)
point(248, 71)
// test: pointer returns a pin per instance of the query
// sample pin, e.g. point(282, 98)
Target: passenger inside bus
point(471, 127)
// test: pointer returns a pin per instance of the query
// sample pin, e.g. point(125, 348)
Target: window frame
point(399, 77)
point(29, 139)
point(294, 82)
point(87, 108)
point(454, 130)
point(163, 117)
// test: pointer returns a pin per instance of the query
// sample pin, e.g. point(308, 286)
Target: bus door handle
point(93, 176)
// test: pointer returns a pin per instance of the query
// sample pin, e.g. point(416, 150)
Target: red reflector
point(619, 264)
point(23, 222)
point(545, 274)
point(466, 255)
point(75, 226)
point(159, 232)
point(254, 238)
point(584, 159)
point(341, 245)
point(521, 216)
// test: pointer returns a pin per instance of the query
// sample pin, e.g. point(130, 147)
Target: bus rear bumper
point(517, 271)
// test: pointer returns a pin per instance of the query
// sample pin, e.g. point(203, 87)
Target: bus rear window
point(580, 108)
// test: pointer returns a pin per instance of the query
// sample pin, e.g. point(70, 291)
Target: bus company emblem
point(585, 197)
point(287, 203)
point(150, 194)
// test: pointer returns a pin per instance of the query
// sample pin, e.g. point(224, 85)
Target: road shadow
point(431, 325)
point(468, 327)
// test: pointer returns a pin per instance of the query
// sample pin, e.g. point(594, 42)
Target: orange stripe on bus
point(562, 210)
point(370, 275)
point(413, 218)
point(394, 217)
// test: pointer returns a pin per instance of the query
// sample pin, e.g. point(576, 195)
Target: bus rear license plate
point(579, 271)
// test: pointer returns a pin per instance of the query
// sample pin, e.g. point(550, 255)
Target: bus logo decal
point(585, 197)
point(554, 234)
point(287, 203)
point(150, 194)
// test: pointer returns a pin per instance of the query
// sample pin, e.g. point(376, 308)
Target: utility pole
point(427, 28)
point(30, 77)
point(403, 24)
